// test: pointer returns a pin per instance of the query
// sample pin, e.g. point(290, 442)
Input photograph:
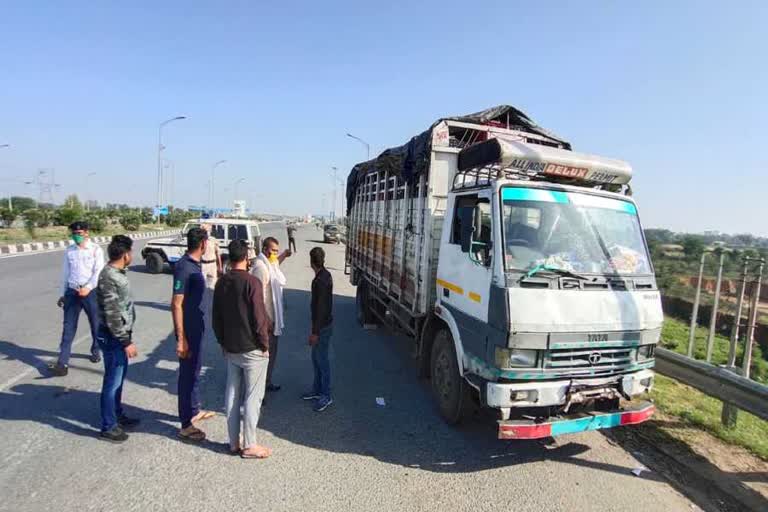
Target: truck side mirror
point(467, 217)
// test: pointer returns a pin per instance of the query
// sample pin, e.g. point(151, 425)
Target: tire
point(452, 393)
point(154, 263)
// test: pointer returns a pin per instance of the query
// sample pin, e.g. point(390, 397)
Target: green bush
point(131, 221)
point(65, 216)
point(96, 222)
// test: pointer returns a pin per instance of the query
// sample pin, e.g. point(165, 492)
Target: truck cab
point(550, 291)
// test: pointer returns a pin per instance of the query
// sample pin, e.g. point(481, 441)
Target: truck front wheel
point(452, 392)
point(154, 263)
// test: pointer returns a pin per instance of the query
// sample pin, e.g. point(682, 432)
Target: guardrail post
point(695, 312)
point(730, 413)
point(747, 363)
point(713, 318)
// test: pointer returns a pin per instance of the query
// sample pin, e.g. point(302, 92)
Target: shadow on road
point(162, 306)
point(407, 431)
point(32, 356)
point(72, 410)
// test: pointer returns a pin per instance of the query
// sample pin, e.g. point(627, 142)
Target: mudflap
point(552, 427)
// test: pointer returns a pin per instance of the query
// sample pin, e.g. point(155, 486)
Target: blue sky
point(679, 91)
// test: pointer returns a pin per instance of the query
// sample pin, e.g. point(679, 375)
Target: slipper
point(192, 435)
point(203, 415)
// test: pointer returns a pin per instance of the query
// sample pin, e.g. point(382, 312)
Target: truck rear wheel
point(452, 392)
point(154, 263)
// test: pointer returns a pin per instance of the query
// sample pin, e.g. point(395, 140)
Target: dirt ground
point(717, 476)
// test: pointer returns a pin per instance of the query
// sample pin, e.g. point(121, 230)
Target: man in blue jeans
point(117, 316)
point(83, 261)
point(188, 322)
point(322, 329)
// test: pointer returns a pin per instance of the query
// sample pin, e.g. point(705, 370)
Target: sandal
point(191, 435)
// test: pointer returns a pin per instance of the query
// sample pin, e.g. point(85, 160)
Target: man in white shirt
point(267, 269)
point(83, 261)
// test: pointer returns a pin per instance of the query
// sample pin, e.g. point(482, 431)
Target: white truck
point(157, 253)
point(519, 268)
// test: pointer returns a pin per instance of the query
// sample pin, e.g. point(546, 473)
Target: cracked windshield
point(571, 231)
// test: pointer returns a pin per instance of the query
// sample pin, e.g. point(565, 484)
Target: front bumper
point(559, 392)
point(530, 429)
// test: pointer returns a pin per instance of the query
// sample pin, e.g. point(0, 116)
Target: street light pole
point(333, 187)
point(213, 182)
point(160, 157)
point(367, 146)
point(88, 191)
point(236, 184)
point(10, 201)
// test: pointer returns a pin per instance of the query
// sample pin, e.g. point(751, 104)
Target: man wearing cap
point(83, 261)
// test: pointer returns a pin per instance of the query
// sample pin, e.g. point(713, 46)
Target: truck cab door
point(465, 268)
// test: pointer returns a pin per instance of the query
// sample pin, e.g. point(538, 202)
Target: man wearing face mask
point(188, 321)
point(117, 316)
point(266, 269)
point(83, 261)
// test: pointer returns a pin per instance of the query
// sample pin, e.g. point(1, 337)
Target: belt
point(207, 261)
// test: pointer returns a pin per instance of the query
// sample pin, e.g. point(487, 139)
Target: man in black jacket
point(322, 330)
point(242, 328)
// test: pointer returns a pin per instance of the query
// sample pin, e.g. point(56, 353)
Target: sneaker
point(115, 435)
point(310, 396)
point(57, 370)
point(95, 358)
point(127, 422)
point(323, 403)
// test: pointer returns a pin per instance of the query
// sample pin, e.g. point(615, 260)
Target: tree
point(19, 203)
point(96, 222)
point(31, 219)
point(8, 216)
point(693, 246)
point(73, 202)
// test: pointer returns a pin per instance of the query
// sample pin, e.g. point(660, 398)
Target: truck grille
point(581, 361)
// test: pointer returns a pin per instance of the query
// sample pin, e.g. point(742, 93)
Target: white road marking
point(13, 380)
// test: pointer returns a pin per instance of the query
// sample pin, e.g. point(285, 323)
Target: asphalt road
point(354, 456)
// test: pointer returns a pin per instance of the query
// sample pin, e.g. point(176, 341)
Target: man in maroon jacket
point(242, 328)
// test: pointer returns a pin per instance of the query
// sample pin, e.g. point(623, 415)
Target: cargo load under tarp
point(411, 159)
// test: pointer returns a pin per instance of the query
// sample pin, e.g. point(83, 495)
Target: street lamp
point(10, 201)
point(160, 148)
point(236, 184)
point(367, 146)
point(213, 182)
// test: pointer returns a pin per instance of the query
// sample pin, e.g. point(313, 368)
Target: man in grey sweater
point(115, 337)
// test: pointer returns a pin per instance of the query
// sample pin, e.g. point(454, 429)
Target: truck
point(518, 267)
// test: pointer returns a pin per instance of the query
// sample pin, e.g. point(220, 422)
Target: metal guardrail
point(715, 381)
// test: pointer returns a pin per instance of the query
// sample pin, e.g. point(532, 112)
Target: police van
point(169, 250)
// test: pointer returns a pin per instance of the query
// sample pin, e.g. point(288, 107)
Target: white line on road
point(13, 380)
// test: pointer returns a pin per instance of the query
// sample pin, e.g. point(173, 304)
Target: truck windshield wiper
point(555, 270)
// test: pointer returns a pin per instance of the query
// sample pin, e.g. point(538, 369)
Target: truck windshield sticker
point(553, 196)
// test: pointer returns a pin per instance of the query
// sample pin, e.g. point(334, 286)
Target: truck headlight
point(515, 358)
point(645, 352)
